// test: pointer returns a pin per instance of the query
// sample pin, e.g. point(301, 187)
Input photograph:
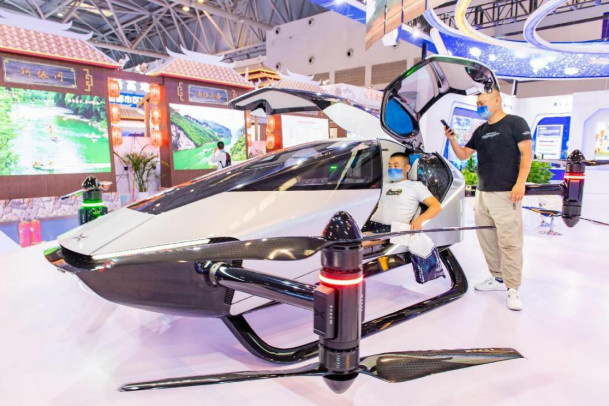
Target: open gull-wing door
point(411, 94)
point(279, 101)
point(346, 114)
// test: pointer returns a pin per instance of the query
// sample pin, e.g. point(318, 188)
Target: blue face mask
point(395, 174)
point(484, 112)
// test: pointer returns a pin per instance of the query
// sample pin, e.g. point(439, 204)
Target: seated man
point(400, 199)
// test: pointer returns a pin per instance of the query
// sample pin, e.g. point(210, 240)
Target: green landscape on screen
point(45, 132)
point(196, 130)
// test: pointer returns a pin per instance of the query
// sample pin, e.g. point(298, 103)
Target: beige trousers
point(502, 247)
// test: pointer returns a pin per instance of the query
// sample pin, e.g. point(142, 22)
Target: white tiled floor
point(62, 345)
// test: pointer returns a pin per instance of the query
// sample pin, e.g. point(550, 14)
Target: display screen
point(550, 137)
point(196, 130)
point(601, 137)
point(549, 141)
point(463, 122)
point(300, 129)
point(52, 133)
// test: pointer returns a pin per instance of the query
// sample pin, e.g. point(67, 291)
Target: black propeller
point(587, 162)
point(597, 162)
point(556, 213)
point(393, 367)
point(277, 248)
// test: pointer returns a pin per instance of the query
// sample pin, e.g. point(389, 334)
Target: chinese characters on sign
point(16, 71)
point(201, 94)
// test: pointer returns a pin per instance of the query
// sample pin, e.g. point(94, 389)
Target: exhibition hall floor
point(62, 345)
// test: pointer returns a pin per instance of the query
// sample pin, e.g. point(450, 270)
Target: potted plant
point(540, 172)
point(470, 174)
point(144, 168)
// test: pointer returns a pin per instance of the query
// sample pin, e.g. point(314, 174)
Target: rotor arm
point(260, 284)
point(557, 189)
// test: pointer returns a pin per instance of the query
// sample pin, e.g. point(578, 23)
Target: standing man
point(219, 156)
point(504, 150)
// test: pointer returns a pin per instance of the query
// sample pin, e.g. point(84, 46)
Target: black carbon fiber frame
point(246, 335)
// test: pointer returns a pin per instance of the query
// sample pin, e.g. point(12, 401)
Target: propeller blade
point(404, 366)
point(597, 162)
point(76, 193)
point(308, 370)
point(384, 236)
point(393, 367)
point(590, 220)
point(556, 213)
point(277, 249)
point(543, 211)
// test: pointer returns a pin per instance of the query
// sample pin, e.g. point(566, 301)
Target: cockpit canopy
point(332, 165)
point(409, 96)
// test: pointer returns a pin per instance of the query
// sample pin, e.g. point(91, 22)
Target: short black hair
point(401, 155)
point(220, 145)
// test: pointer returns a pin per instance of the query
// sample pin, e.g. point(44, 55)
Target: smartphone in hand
point(450, 131)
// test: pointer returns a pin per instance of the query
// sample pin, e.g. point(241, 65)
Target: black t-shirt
point(498, 153)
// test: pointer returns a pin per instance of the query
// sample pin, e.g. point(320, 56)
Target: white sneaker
point(513, 300)
point(490, 284)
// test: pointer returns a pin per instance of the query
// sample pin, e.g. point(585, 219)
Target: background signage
point(16, 71)
point(201, 94)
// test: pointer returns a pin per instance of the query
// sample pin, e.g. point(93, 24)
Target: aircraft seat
point(433, 172)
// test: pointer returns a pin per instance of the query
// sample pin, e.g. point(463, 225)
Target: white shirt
point(400, 201)
point(219, 158)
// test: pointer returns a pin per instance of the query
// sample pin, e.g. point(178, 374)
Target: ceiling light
point(60, 14)
point(475, 52)
point(531, 35)
point(185, 9)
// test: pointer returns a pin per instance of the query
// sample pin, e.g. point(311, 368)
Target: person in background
point(504, 150)
point(219, 156)
point(400, 199)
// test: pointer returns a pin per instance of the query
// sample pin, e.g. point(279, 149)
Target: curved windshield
point(327, 165)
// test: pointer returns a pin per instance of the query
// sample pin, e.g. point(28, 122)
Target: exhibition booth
point(131, 261)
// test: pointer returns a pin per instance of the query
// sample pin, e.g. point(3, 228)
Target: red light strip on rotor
point(341, 282)
point(572, 176)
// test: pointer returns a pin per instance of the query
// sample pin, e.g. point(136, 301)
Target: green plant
point(540, 172)
point(470, 172)
point(143, 166)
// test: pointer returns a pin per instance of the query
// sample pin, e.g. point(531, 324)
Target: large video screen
point(297, 130)
point(52, 133)
point(196, 130)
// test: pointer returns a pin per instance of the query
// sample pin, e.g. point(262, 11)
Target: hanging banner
point(16, 71)
point(202, 94)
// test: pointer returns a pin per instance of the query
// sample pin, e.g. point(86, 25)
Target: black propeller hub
point(576, 162)
point(340, 383)
point(342, 227)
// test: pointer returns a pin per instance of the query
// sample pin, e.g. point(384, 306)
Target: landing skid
point(246, 335)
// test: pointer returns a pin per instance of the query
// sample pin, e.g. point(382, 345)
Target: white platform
point(6, 244)
point(61, 345)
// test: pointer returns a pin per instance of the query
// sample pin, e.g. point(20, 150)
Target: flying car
point(218, 246)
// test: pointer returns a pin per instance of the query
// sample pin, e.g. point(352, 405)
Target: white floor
point(6, 244)
point(62, 345)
